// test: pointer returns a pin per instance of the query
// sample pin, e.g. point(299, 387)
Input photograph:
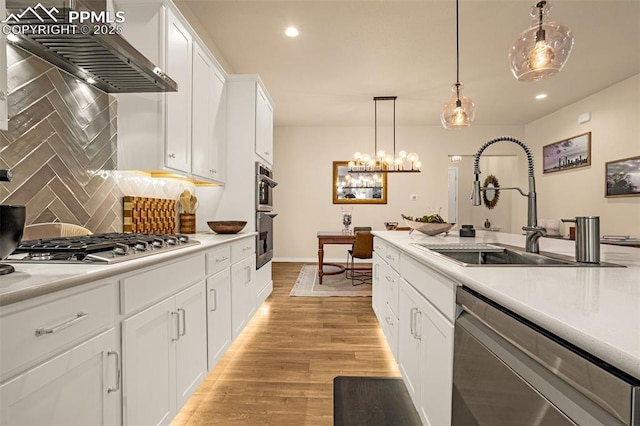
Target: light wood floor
point(280, 370)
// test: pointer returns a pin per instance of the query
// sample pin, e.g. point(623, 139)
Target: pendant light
point(460, 111)
point(381, 162)
point(541, 50)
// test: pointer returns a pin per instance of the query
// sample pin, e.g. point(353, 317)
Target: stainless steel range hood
point(107, 61)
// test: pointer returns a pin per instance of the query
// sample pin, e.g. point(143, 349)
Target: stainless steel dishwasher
point(509, 371)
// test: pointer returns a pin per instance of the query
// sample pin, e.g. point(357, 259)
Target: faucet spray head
point(475, 194)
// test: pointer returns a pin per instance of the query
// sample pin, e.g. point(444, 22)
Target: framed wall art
point(622, 177)
point(567, 154)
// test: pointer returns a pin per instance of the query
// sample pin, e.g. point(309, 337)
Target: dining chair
point(362, 249)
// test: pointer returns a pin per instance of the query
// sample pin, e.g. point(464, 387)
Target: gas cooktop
point(98, 248)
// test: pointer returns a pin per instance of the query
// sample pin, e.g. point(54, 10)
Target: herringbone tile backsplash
point(61, 146)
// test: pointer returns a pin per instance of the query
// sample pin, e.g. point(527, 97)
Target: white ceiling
point(350, 51)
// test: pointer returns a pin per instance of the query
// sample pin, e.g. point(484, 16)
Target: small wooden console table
point(331, 237)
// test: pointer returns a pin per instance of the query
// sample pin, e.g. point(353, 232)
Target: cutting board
point(149, 215)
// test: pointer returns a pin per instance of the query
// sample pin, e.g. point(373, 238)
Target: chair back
point(363, 245)
point(361, 228)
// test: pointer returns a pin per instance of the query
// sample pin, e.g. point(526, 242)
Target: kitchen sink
point(501, 255)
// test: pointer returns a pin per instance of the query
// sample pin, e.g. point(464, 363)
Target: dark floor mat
point(372, 401)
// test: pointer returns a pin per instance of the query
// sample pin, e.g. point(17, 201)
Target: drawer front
point(380, 247)
point(392, 257)
point(391, 284)
point(153, 285)
point(242, 249)
point(436, 288)
point(52, 323)
point(218, 259)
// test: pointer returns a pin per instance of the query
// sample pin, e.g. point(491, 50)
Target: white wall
point(615, 134)
point(303, 166)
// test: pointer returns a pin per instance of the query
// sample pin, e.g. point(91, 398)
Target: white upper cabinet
point(184, 131)
point(264, 127)
point(208, 117)
point(178, 112)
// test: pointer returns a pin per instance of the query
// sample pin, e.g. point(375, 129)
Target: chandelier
point(460, 111)
point(381, 161)
point(541, 50)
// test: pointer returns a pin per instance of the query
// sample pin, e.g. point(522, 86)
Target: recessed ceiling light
point(12, 37)
point(291, 32)
point(90, 80)
point(541, 96)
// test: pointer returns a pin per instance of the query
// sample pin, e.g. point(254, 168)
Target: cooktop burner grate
point(101, 248)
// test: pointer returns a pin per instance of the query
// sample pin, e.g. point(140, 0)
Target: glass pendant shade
point(542, 50)
point(459, 111)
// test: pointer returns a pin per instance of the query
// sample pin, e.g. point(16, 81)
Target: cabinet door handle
point(215, 299)
point(247, 248)
point(80, 316)
point(118, 371)
point(417, 335)
point(172, 156)
point(221, 259)
point(184, 322)
point(390, 257)
point(411, 319)
point(177, 315)
point(391, 280)
point(388, 319)
point(247, 274)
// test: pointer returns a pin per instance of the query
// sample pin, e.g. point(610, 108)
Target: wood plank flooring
point(280, 370)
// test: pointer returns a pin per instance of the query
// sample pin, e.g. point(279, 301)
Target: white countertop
point(595, 308)
point(36, 279)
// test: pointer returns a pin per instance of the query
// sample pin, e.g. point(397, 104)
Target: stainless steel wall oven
point(264, 188)
point(264, 246)
point(264, 214)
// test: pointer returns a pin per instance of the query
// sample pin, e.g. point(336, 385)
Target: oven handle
point(266, 179)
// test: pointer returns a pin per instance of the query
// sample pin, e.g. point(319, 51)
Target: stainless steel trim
point(601, 386)
point(114, 64)
point(80, 316)
point(118, 372)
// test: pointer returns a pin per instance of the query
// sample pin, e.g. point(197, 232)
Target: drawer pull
point(118, 371)
point(80, 316)
point(391, 280)
point(247, 248)
point(388, 320)
point(221, 259)
point(390, 257)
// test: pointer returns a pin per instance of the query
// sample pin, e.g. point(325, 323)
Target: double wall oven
point(264, 214)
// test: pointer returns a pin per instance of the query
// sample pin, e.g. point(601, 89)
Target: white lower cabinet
point(243, 295)
point(415, 306)
point(164, 356)
point(409, 340)
point(78, 387)
point(218, 315)
point(426, 353)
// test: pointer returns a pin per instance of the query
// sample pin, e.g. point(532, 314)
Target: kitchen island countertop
point(37, 279)
point(595, 308)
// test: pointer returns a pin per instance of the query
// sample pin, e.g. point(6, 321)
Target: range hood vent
point(106, 61)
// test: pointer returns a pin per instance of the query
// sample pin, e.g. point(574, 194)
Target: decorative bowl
point(391, 226)
point(428, 228)
point(227, 226)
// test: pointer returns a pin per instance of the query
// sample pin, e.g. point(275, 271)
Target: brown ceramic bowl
point(227, 226)
point(391, 225)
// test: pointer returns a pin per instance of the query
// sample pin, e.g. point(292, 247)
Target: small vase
point(346, 220)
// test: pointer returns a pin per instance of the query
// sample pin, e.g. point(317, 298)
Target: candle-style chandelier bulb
point(542, 50)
